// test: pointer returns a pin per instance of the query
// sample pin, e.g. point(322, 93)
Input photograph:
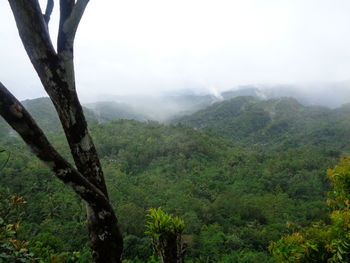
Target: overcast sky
point(142, 46)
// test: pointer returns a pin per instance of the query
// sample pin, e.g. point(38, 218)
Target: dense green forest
point(243, 170)
point(275, 124)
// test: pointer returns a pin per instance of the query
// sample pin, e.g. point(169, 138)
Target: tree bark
point(170, 247)
point(56, 72)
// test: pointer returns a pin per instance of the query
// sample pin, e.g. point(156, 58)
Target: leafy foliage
point(233, 199)
point(321, 242)
point(161, 222)
point(12, 247)
point(166, 232)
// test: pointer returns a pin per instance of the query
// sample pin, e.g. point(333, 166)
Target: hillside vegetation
point(243, 170)
point(275, 124)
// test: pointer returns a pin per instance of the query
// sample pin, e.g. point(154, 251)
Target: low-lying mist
point(166, 106)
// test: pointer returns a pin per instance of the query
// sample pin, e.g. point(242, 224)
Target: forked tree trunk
point(170, 247)
point(56, 72)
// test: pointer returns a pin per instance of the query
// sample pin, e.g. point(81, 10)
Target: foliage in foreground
point(161, 222)
point(12, 247)
point(322, 242)
point(166, 232)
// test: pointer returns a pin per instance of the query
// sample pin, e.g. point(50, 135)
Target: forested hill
point(234, 200)
point(45, 115)
point(43, 112)
point(111, 111)
point(275, 124)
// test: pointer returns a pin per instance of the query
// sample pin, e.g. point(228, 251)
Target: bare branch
point(105, 233)
point(66, 7)
point(22, 122)
point(57, 76)
point(56, 72)
point(32, 28)
point(48, 11)
point(69, 25)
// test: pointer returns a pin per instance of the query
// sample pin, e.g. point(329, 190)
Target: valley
point(235, 172)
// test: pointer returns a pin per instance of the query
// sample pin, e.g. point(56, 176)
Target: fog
point(136, 48)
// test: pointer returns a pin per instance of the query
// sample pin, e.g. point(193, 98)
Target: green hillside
point(111, 111)
point(235, 194)
point(234, 201)
point(43, 112)
point(275, 124)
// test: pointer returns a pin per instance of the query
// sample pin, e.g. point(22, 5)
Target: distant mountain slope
point(43, 109)
point(44, 113)
point(274, 124)
point(157, 107)
point(331, 95)
point(110, 111)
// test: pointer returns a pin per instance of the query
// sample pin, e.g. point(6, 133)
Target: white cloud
point(130, 46)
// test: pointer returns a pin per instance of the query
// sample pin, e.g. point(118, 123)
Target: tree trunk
point(170, 248)
point(56, 72)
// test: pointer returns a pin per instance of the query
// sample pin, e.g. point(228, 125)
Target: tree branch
point(66, 7)
point(56, 72)
point(48, 11)
point(32, 29)
point(22, 122)
point(105, 233)
point(69, 23)
point(57, 76)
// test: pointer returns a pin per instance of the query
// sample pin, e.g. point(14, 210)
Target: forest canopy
point(233, 200)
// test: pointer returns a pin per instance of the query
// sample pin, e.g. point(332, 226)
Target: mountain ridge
point(250, 121)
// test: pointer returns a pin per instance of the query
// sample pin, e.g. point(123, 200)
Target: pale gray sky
point(141, 46)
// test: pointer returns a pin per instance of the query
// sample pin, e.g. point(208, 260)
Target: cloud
point(153, 46)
